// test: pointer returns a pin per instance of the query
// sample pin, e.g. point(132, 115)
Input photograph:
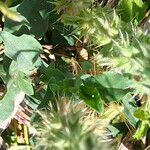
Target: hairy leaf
point(24, 84)
point(9, 104)
point(24, 50)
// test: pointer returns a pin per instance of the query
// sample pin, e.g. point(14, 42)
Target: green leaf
point(50, 93)
point(129, 110)
point(9, 104)
point(86, 65)
point(53, 85)
point(141, 131)
point(142, 114)
point(113, 80)
point(24, 84)
point(111, 86)
point(33, 101)
point(114, 130)
point(2, 73)
point(35, 14)
point(24, 50)
point(49, 72)
point(129, 51)
point(92, 98)
point(9, 13)
point(70, 40)
point(70, 85)
point(130, 9)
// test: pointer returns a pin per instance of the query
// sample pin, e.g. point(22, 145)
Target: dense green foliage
point(119, 56)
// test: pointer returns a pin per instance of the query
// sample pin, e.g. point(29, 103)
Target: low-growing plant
point(85, 50)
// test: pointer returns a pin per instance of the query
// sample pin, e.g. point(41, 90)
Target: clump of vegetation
point(94, 54)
